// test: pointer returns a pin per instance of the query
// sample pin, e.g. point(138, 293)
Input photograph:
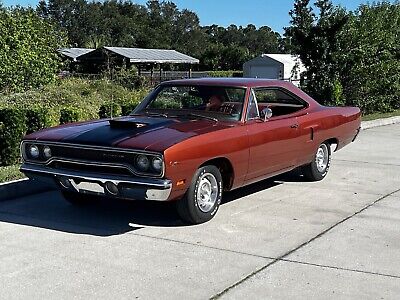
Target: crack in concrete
point(282, 257)
point(339, 268)
point(267, 257)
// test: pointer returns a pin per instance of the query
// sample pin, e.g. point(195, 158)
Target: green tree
point(28, 44)
point(158, 24)
point(314, 38)
point(368, 57)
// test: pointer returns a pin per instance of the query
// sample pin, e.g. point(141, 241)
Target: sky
point(273, 13)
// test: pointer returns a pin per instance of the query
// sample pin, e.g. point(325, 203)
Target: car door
point(274, 143)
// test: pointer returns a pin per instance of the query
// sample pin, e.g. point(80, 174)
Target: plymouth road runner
point(189, 141)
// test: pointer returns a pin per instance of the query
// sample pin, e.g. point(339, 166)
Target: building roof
point(139, 55)
point(74, 53)
point(289, 61)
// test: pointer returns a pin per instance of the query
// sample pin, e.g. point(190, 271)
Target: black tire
point(314, 171)
point(75, 198)
point(189, 208)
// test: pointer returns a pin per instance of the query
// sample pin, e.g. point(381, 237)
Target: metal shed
point(274, 66)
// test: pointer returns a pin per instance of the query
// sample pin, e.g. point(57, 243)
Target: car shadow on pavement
point(106, 217)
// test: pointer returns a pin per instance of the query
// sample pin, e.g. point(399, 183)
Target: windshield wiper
point(199, 116)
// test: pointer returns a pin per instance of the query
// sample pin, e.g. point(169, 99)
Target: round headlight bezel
point(156, 160)
point(46, 152)
point(142, 167)
point(33, 151)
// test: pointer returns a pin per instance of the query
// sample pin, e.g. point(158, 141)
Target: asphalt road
point(281, 238)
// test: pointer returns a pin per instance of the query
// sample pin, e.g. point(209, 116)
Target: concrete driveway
point(281, 238)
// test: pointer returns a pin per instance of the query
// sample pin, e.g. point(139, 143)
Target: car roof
point(231, 81)
point(247, 83)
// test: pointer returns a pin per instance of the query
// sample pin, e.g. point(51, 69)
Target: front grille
point(94, 154)
point(98, 169)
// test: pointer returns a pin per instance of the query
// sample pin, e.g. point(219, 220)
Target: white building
point(274, 66)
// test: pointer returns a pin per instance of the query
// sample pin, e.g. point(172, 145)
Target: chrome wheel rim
point(207, 192)
point(322, 158)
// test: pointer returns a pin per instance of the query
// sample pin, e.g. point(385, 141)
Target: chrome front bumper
point(92, 183)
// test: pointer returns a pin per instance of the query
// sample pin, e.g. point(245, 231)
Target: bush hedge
point(109, 110)
point(12, 129)
point(225, 73)
point(37, 118)
point(86, 94)
point(129, 79)
point(70, 115)
point(127, 108)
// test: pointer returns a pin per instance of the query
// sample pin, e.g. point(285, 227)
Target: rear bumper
point(92, 183)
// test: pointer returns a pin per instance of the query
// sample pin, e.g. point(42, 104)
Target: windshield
point(219, 103)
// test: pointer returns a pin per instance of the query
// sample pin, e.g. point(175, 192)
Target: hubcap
point(322, 158)
point(207, 192)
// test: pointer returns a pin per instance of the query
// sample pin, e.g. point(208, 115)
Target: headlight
point(142, 163)
point(34, 151)
point(47, 152)
point(157, 164)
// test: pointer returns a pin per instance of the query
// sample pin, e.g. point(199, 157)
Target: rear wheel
point(319, 167)
point(202, 200)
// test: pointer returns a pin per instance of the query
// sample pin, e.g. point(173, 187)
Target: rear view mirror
point(266, 113)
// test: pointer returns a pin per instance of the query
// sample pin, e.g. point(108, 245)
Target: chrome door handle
point(294, 126)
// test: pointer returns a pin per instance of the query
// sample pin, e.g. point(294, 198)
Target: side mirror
point(266, 113)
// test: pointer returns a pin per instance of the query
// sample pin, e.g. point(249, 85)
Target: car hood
point(133, 132)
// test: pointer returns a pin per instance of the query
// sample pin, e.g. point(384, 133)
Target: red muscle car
point(190, 140)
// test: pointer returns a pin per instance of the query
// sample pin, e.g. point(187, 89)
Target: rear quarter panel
point(339, 123)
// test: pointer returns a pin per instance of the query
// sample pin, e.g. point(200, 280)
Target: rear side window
point(280, 102)
point(275, 96)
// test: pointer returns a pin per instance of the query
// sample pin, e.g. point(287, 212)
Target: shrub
point(70, 115)
point(37, 118)
point(86, 94)
point(127, 108)
point(129, 79)
point(110, 109)
point(225, 73)
point(12, 129)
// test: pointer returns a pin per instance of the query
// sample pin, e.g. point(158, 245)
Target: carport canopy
point(140, 56)
point(74, 53)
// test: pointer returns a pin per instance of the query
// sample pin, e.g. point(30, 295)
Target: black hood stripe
point(107, 136)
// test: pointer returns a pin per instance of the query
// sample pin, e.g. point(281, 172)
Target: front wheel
point(319, 167)
point(202, 200)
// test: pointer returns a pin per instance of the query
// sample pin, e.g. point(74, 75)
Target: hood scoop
point(126, 123)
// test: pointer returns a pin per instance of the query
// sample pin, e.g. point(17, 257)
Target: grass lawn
point(381, 115)
point(10, 173)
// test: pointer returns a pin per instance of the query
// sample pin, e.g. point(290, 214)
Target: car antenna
point(112, 102)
